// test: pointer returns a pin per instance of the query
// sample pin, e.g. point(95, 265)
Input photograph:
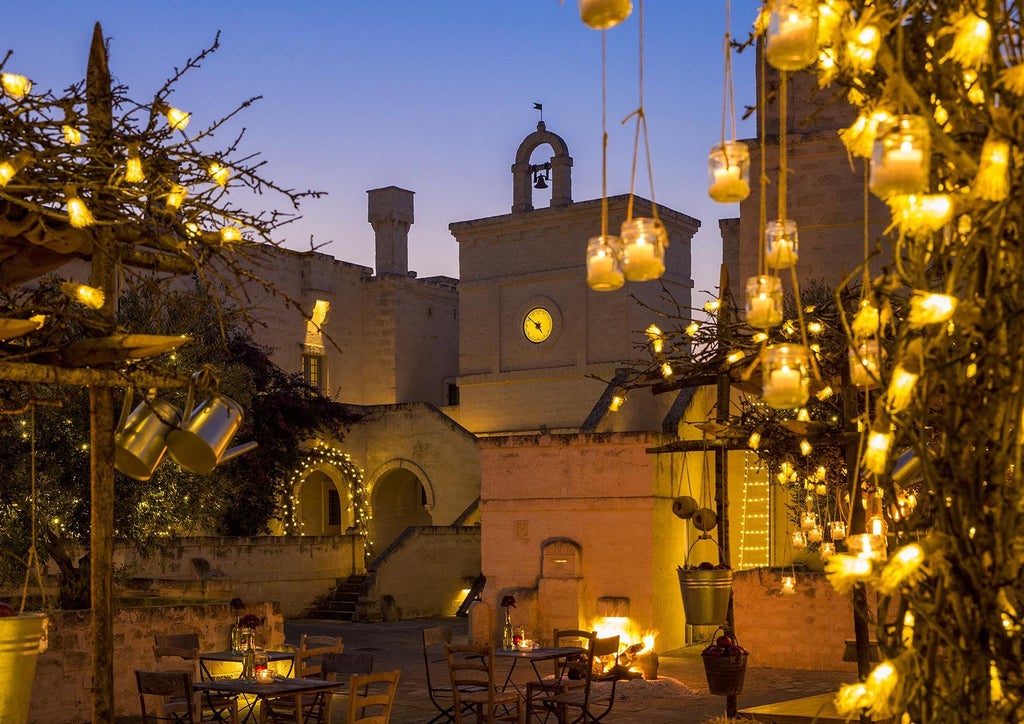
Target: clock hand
point(538, 325)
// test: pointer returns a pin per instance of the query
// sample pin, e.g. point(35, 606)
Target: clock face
point(537, 324)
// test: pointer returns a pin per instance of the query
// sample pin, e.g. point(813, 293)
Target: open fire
point(636, 656)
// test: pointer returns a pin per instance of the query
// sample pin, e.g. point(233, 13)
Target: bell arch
point(522, 171)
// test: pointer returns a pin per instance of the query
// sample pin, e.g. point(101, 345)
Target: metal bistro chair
point(569, 671)
point(166, 696)
point(471, 669)
point(593, 706)
point(371, 696)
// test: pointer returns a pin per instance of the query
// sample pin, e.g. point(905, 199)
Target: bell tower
point(524, 173)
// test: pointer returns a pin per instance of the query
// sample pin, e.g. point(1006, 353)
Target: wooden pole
point(723, 389)
point(99, 99)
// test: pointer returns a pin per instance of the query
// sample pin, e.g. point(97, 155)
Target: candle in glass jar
point(814, 535)
point(788, 585)
point(901, 168)
point(603, 272)
point(784, 384)
point(838, 530)
point(781, 255)
point(641, 262)
point(728, 187)
point(763, 312)
point(794, 44)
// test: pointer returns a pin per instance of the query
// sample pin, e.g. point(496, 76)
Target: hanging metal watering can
point(141, 437)
point(201, 443)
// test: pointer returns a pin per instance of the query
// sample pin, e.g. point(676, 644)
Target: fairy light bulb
point(11, 166)
point(15, 86)
point(230, 234)
point(72, 136)
point(133, 172)
point(175, 197)
point(219, 172)
point(83, 294)
point(78, 212)
point(177, 118)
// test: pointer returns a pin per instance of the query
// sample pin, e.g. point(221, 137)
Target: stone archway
point(327, 496)
point(560, 165)
point(400, 496)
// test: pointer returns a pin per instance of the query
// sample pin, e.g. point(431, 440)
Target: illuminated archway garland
point(323, 454)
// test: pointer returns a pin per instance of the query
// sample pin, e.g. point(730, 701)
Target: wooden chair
point(593, 706)
point(317, 707)
point(166, 696)
point(471, 670)
point(371, 696)
point(309, 655)
point(177, 641)
point(221, 707)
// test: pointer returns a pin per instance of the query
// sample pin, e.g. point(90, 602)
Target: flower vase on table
point(508, 631)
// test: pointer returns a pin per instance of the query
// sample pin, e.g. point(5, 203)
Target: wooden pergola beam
point(87, 376)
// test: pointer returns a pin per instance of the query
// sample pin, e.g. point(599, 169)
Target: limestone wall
point(61, 693)
point(803, 630)
point(429, 571)
point(292, 570)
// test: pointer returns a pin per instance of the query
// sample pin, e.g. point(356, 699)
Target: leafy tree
point(241, 496)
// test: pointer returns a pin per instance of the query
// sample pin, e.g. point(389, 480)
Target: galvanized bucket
point(22, 639)
point(705, 592)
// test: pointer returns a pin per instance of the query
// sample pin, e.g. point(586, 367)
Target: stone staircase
point(344, 602)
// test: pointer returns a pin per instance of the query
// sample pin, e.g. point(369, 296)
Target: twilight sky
point(433, 96)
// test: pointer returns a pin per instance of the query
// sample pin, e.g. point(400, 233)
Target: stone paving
point(399, 645)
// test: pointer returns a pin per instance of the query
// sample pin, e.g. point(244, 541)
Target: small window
point(313, 371)
point(453, 393)
point(333, 507)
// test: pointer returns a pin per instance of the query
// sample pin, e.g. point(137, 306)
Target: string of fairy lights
point(320, 456)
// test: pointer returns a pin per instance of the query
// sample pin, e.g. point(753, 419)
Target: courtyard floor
point(679, 696)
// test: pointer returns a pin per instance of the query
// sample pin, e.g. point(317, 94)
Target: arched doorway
point(323, 508)
point(399, 499)
point(327, 496)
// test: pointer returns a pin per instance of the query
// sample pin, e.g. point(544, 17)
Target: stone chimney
point(390, 215)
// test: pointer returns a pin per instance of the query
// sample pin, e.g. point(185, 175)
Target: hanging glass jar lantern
point(729, 172)
point(792, 34)
point(865, 364)
point(808, 520)
point(786, 381)
point(837, 528)
point(827, 550)
point(901, 157)
point(603, 14)
point(764, 302)
point(643, 243)
point(798, 541)
point(814, 535)
point(782, 244)
point(604, 274)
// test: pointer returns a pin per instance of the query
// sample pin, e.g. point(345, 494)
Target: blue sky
point(430, 95)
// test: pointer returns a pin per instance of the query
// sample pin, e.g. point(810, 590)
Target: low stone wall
point(803, 630)
point(292, 570)
point(61, 693)
point(426, 571)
